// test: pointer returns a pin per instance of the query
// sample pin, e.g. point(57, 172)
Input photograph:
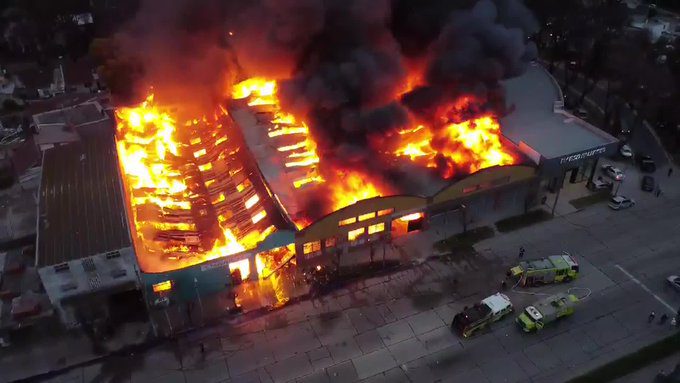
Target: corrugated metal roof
point(81, 211)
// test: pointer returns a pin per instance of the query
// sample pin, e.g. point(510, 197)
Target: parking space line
point(642, 285)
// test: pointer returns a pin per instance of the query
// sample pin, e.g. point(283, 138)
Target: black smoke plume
point(340, 63)
point(344, 61)
point(182, 48)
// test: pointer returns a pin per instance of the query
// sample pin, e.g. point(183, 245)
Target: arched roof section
point(322, 227)
point(483, 180)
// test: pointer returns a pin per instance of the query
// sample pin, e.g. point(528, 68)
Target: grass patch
point(580, 203)
point(463, 242)
point(633, 361)
point(523, 220)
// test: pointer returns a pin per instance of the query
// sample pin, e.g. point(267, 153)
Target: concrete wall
point(98, 274)
point(483, 208)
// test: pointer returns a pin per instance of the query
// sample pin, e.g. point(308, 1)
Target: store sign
point(582, 155)
point(223, 262)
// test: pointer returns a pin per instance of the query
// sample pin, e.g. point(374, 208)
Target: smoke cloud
point(340, 63)
point(182, 48)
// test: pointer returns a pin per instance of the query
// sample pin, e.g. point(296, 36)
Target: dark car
point(646, 164)
point(648, 183)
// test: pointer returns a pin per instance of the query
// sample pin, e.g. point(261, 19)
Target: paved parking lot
point(395, 328)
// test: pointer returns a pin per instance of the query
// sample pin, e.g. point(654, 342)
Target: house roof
point(68, 124)
point(56, 134)
point(76, 115)
point(81, 211)
point(57, 102)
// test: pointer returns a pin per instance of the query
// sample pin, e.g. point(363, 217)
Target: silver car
point(626, 151)
point(613, 172)
point(674, 281)
point(620, 202)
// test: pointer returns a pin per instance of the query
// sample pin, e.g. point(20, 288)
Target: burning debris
point(190, 199)
point(350, 91)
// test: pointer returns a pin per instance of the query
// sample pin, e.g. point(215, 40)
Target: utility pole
point(200, 302)
point(463, 209)
point(557, 197)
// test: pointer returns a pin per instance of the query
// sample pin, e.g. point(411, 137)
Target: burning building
point(360, 124)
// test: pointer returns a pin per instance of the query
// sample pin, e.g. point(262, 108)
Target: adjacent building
point(84, 254)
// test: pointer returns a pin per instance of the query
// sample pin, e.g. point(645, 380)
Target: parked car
point(613, 172)
point(581, 113)
point(620, 202)
point(646, 164)
point(648, 183)
point(626, 151)
point(600, 183)
point(674, 281)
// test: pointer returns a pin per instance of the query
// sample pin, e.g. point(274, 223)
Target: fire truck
point(546, 311)
point(553, 269)
point(482, 314)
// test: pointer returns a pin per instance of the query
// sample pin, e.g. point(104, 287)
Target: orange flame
point(468, 146)
point(154, 168)
point(411, 217)
point(351, 187)
point(260, 91)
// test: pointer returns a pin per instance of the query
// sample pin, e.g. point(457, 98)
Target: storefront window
point(354, 234)
point(366, 216)
point(377, 228)
point(330, 242)
point(385, 212)
point(311, 247)
point(347, 221)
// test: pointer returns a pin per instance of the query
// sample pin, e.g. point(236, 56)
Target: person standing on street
point(670, 171)
point(521, 252)
point(651, 317)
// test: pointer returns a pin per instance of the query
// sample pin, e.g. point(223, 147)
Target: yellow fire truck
point(553, 269)
point(546, 311)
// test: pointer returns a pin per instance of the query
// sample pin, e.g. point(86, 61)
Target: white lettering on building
point(582, 155)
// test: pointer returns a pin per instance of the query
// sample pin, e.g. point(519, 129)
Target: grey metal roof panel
point(533, 121)
point(81, 211)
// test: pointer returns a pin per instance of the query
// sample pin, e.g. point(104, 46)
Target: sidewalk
point(58, 350)
point(648, 374)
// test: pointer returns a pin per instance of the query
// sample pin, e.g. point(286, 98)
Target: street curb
point(651, 129)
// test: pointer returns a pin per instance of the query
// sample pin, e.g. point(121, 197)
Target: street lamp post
point(463, 212)
point(560, 180)
point(200, 301)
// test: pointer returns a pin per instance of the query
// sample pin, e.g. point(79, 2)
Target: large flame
point(155, 163)
point(344, 187)
point(353, 186)
point(466, 146)
point(291, 133)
